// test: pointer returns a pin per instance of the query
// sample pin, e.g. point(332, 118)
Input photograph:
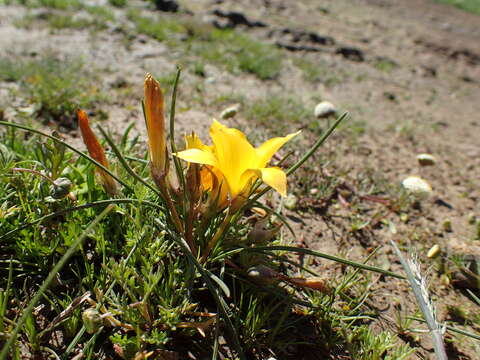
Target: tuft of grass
point(69, 20)
point(118, 3)
point(318, 72)
point(52, 4)
point(158, 28)
point(472, 6)
point(60, 21)
point(100, 12)
point(239, 52)
point(278, 112)
point(235, 51)
point(54, 88)
point(385, 64)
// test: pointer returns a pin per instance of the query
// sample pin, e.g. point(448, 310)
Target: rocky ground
point(408, 73)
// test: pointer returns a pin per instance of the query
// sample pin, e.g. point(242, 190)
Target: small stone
point(314, 191)
point(230, 111)
point(290, 202)
point(434, 251)
point(325, 109)
point(426, 159)
point(60, 188)
point(166, 5)
point(263, 274)
point(417, 186)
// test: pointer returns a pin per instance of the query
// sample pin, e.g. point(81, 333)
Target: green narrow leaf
point(325, 256)
point(125, 164)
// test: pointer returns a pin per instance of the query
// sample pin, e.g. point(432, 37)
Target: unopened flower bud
point(60, 188)
point(92, 320)
point(154, 119)
point(96, 152)
point(314, 283)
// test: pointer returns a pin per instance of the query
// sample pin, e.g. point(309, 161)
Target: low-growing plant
point(240, 52)
point(170, 254)
point(468, 5)
point(54, 88)
point(118, 3)
point(158, 28)
point(278, 111)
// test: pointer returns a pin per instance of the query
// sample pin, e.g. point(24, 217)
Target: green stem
point(218, 234)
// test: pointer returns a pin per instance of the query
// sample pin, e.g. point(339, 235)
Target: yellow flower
point(237, 160)
point(153, 107)
point(96, 152)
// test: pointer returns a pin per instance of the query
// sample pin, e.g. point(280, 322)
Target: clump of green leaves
point(52, 4)
point(53, 87)
point(125, 261)
point(472, 6)
point(118, 3)
point(240, 52)
point(319, 71)
point(278, 112)
point(158, 28)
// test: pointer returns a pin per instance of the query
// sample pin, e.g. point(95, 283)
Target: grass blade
point(125, 164)
point(425, 304)
point(326, 256)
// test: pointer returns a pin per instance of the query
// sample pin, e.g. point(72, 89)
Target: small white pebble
point(426, 159)
point(434, 251)
point(325, 109)
point(230, 111)
point(290, 202)
point(417, 186)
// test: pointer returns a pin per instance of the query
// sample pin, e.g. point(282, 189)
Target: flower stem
point(218, 234)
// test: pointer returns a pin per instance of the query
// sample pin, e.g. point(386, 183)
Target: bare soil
point(408, 74)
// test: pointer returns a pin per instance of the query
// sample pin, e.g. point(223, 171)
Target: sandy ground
point(426, 99)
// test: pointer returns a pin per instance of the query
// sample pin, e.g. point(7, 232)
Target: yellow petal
point(270, 147)
point(274, 177)
point(193, 142)
point(234, 154)
point(197, 156)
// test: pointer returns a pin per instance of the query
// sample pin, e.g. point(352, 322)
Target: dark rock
point(292, 47)
point(467, 79)
point(351, 53)
point(302, 36)
point(440, 202)
point(390, 96)
point(119, 83)
point(166, 5)
point(234, 18)
point(300, 40)
point(467, 55)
